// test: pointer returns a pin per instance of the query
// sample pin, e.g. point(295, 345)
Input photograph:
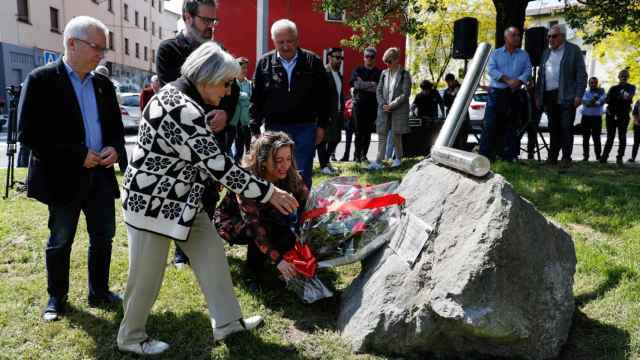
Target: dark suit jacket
point(51, 125)
point(336, 122)
point(573, 74)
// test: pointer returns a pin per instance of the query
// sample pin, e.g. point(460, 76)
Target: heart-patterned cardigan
point(175, 157)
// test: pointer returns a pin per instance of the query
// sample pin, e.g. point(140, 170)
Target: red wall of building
point(237, 31)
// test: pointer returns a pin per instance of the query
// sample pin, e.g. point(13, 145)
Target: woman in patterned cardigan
point(176, 157)
point(265, 230)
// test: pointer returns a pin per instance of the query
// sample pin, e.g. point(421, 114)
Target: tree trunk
point(509, 13)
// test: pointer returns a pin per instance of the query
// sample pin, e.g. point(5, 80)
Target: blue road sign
point(49, 57)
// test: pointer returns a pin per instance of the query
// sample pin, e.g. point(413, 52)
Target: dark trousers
point(325, 149)
point(532, 132)
point(348, 127)
point(501, 120)
point(591, 128)
point(636, 141)
point(123, 159)
point(561, 117)
point(242, 141)
point(620, 124)
point(23, 156)
point(98, 206)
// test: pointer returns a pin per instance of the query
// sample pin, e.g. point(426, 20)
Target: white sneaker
point(326, 171)
point(236, 326)
point(396, 163)
point(146, 347)
point(375, 166)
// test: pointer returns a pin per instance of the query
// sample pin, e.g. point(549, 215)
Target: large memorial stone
point(494, 279)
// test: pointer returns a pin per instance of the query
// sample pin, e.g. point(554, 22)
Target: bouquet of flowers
point(345, 221)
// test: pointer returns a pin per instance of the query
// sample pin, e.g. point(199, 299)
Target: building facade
point(237, 31)
point(31, 35)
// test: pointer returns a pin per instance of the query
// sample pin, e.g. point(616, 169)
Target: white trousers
point(147, 261)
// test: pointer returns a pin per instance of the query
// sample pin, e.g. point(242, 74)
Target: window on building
point(138, 50)
point(153, 55)
point(110, 6)
point(23, 10)
point(55, 23)
point(160, 32)
point(146, 53)
point(159, 6)
point(111, 40)
point(153, 28)
point(126, 46)
point(338, 16)
point(153, 3)
point(136, 19)
point(126, 12)
point(144, 23)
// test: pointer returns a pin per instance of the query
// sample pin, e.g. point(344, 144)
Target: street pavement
point(577, 148)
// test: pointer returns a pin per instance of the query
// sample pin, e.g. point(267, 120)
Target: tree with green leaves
point(603, 17)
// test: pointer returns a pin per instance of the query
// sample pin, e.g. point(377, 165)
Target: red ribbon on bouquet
point(302, 259)
point(370, 203)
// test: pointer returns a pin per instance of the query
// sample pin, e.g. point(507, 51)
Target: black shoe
point(551, 162)
point(55, 307)
point(344, 159)
point(333, 158)
point(619, 161)
point(631, 160)
point(111, 300)
point(603, 160)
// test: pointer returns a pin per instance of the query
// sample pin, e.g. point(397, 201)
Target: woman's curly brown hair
point(265, 147)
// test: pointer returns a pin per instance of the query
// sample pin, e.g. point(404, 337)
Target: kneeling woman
point(175, 158)
point(268, 233)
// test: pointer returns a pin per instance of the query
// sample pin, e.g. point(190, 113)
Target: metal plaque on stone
point(410, 238)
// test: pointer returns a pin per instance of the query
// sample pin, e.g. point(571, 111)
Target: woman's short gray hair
point(209, 64)
point(78, 28)
point(391, 54)
point(283, 24)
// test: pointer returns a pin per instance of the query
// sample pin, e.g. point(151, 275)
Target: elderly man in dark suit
point(333, 134)
point(563, 80)
point(70, 118)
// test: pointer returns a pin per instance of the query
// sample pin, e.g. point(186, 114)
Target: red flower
point(358, 228)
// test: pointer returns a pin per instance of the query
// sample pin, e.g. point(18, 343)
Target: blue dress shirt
point(88, 107)
point(516, 65)
point(288, 66)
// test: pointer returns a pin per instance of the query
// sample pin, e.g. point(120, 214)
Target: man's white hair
point(281, 25)
point(561, 28)
point(154, 78)
point(209, 64)
point(78, 28)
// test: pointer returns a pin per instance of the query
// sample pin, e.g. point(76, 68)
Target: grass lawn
point(599, 205)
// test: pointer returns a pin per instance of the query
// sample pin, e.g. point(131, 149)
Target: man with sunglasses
point(336, 103)
point(509, 69)
point(364, 81)
point(200, 19)
point(562, 82)
point(619, 98)
point(70, 118)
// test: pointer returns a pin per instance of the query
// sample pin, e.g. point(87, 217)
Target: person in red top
point(268, 233)
point(148, 92)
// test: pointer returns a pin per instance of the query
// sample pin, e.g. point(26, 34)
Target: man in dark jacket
point(619, 98)
point(200, 20)
point(290, 95)
point(70, 118)
point(364, 81)
point(336, 103)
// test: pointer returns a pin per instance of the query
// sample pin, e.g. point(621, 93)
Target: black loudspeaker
point(465, 38)
point(535, 42)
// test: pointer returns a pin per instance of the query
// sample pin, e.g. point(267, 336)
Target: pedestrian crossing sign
point(49, 57)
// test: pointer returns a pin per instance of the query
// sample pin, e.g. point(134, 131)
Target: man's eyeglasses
point(553, 36)
point(209, 21)
point(370, 56)
point(337, 57)
point(94, 46)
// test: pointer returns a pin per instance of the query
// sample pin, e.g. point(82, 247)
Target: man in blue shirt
point(509, 69)
point(592, 106)
point(73, 133)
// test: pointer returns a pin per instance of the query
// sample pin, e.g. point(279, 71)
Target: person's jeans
point(620, 124)
point(98, 206)
point(561, 117)
point(304, 137)
point(636, 141)
point(348, 138)
point(591, 127)
point(500, 121)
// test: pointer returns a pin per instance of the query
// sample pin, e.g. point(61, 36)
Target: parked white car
point(477, 108)
point(130, 110)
